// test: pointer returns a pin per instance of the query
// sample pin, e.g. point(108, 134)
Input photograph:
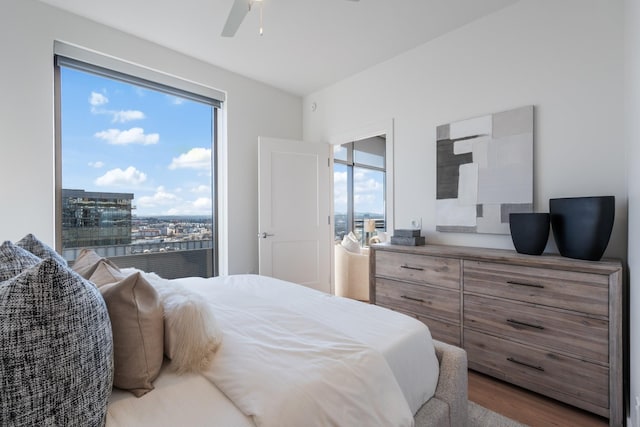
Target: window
point(359, 186)
point(135, 170)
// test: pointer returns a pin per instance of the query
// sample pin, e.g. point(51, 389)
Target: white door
point(294, 227)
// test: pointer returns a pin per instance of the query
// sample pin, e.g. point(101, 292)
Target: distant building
point(149, 233)
point(95, 219)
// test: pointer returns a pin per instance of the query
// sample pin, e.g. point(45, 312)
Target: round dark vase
point(529, 232)
point(582, 225)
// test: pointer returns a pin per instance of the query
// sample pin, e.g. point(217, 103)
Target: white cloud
point(131, 136)
point(202, 203)
point(97, 164)
point(200, 206)
point(127, 115)
point(161, 198)
point(175, 100)
point(201, 189)
point(196, 158)
point(97, 99)
point(164, 202)
point(340, 194)
point(121, 178)
point(121, 116)
point(368, 191)
point(364, 201)
point(368, 185)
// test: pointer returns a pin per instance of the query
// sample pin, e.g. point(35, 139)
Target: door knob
point(264, 235)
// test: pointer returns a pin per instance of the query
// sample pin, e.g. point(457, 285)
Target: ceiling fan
point(238, 11)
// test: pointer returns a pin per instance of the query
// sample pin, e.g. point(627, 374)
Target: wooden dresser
point(546, 323)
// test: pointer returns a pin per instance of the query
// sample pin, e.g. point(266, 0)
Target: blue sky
point(368, 184)
point(368, 191)
point(117, 137)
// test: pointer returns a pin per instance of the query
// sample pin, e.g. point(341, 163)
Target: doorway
point(359, 175)
point(362, 204)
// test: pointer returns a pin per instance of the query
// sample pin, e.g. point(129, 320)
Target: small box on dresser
point(546, 323)
point(406, 237)
point(407, 241)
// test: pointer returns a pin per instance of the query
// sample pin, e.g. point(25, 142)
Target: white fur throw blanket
point(191, 332)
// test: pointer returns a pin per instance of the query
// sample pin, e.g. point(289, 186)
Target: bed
point(267, 352)
point(431, 375)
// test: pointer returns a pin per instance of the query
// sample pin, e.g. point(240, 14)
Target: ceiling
point(307, 44)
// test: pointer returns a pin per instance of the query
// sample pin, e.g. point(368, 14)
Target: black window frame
point(211, 97)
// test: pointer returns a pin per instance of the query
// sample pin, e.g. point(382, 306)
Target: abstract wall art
point(484, 171)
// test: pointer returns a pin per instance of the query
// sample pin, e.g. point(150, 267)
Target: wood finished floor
point(526, 407)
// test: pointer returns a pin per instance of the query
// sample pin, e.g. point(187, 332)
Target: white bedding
point(359, 330)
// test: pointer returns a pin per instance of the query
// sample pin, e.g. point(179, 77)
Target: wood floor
point(526, 407)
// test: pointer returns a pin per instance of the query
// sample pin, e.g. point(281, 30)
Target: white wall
point(564, 57)
point(632, 136)
point(27, 31)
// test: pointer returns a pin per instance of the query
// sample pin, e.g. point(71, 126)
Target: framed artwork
point(484, 171)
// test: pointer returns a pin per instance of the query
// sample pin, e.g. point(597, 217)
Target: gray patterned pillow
point(14, 260)
point(39, 249)
point(56, 362)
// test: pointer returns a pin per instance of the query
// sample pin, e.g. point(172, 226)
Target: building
point(95, 219)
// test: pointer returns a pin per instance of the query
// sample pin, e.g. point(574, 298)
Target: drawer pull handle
point(408, 267)
point(537, 368)
point(411, 298)
point(531, 285)
point(517, 322)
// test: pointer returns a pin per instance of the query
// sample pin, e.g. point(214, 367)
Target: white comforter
point(288, 353)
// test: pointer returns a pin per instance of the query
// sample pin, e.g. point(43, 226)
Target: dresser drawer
point(418, 299)
point(419, 268)
point(441, 331)
point(584, 292)
point(574, 381)
point(559, 330)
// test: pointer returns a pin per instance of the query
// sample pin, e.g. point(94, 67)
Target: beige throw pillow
point(87, 261)
point(138, 333)
point(106, 273)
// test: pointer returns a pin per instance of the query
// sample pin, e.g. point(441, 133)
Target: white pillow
point(351, 243)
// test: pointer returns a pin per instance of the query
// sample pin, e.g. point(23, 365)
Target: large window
point(359, 186)
point(136, 171)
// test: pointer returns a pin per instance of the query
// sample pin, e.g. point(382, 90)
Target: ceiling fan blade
point(238, 11)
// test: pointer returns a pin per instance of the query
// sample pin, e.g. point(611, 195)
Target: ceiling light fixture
point(238, 11)
point(260, 30)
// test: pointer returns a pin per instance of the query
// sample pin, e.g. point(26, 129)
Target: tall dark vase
point(529, 232)
point(582, 225)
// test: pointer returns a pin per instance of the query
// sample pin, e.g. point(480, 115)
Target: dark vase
point(582, 225)
point(529, 232)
